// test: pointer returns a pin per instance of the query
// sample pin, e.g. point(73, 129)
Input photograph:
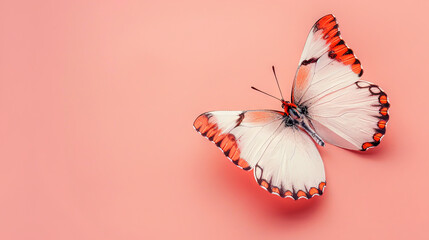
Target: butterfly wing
point(343, 110)
point(286, 162)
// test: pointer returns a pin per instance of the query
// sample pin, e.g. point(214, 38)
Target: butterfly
point(329, 103)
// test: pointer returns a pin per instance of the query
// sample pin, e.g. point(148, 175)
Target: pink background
point(97, 102)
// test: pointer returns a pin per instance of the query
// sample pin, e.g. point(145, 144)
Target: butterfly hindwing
point(354, 117)
point(286, 162)
point(291, 165)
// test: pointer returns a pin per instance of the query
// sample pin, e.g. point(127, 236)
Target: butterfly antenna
point(266, 93)
point(278, 85)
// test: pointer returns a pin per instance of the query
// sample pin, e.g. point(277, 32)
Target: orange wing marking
point(301, 194)
point(367, 145)
point(264, 184)
point(383, 99)
point(257, 116)
point(377, 137)
point(338, 49)
point(322, 186)
point(302, 76)
point(313, 191)
point(225, 141)
point(383, 111)
point(381, 124)
point(276, 190)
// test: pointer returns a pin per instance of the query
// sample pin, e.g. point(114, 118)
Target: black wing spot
point(240, 119)
point(311, 60)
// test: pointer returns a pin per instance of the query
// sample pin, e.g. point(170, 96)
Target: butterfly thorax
point(297, 116)
point(292, 110)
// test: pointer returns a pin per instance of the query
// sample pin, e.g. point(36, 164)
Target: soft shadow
point(381, 152)
point(242, 185)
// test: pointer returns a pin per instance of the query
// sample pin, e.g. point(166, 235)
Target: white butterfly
point(329, 103)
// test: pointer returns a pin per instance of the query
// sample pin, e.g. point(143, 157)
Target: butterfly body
point(296, 116)
point(329, 103)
